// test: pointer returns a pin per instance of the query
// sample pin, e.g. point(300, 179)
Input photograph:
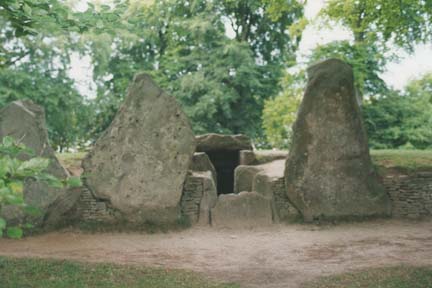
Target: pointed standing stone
point(328, 172)
point(140, 162)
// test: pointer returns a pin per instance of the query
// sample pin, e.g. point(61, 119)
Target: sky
point(397, 73)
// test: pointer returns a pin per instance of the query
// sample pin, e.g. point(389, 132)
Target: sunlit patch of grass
point(390, 277)
point(405, 159)
point(71, 159)
point(23, 273)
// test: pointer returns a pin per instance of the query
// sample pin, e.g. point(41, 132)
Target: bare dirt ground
point(277, 256)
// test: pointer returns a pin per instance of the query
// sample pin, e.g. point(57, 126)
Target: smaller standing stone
point(25, 121)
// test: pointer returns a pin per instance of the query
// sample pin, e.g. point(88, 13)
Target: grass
point(71, 160)
point(390, 277)
point(405, 159)
point(32, 273)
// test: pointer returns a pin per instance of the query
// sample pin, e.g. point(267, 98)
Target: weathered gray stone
point(209, 199)
point(244, 210)
point(267, 156)
point(25, 121)
point(244, 177)
point(216, 142)
point(263, 181)
point(247, 157)
point(259, 157)
point(201, 163)
point(140, 162)
point(329, 173)
point(270, 183)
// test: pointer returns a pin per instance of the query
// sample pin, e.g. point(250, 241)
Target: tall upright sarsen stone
point(139, 164)
point(328, 172)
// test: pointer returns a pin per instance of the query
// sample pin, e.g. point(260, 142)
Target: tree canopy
point(225, 61)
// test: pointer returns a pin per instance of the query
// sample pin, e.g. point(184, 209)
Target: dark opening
point(224, 161)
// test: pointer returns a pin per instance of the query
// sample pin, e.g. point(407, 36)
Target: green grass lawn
point(403, 159)
point(69, 159)
point(32, 273)
point(394, 277)
point(406, 159)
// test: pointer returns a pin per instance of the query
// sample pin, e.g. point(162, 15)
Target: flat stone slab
point(244, 210)
point(215, 142)
point(139, 164)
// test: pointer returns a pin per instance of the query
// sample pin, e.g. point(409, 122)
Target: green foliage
point(54, 274)
point(14, 172)
point(407, 160)
point(67, 114)
point(221, 82)
point(33, 16)
point(387, 277)
point(400, 120)
point(36, 40)
point(403, 22)
point(375, 25)
point(367, 63)
point(280, 112)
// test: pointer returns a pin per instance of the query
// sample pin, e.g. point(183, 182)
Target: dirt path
point(278, 256)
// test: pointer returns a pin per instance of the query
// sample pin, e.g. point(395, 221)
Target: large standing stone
point(25, 121)
point(140, 162)
point(328, 172)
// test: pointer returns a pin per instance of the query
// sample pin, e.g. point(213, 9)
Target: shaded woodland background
point(231, 64)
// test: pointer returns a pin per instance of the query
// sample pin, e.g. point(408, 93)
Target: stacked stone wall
point(91, 209)
point(283, 209)
point(191, 198)
point(410, 193)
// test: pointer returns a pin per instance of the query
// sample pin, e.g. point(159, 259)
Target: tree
point(367, 63)
point(403, 22)
point(35, 44)
point(376, 26)
point(221, 82)
point(280, 112)
point(401, 119)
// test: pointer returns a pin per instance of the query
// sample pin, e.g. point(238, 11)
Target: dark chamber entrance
point(224, 161)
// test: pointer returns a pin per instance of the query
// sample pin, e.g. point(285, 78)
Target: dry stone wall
point(191, 198)
point(199, 197)
point(91, 209)
point(410, 194)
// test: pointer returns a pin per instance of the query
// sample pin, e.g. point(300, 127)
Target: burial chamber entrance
point(225, 162)
point(224, 153)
